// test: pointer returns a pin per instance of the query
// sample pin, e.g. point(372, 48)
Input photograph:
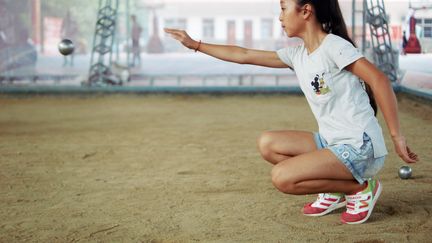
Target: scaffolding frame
point(383, 53)
point(103, 42)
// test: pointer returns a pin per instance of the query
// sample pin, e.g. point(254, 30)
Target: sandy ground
point(181, 169)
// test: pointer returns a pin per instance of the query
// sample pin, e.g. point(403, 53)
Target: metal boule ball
point(405, 172)
point(66, 47)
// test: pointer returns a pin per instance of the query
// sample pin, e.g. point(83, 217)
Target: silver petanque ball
point(66, 47)
point(405, 172)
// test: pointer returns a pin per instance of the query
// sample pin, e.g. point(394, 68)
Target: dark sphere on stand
point(66, 47)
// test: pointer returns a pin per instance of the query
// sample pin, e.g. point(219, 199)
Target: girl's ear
point(306, 11)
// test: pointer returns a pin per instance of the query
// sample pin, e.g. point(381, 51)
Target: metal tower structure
point(358, 10)
point(103, 41)
point(384, 55)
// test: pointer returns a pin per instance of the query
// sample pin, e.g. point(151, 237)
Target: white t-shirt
point(336, 96)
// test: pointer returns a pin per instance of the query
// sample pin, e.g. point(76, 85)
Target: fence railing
point(243, 79)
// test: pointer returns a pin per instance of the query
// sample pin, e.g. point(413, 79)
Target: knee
point(264, 143)
point(283, 180)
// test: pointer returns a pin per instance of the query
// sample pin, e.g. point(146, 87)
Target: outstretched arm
point(386, 100)
point(229, 53)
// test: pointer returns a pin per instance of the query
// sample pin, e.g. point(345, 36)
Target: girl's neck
point(313, 38)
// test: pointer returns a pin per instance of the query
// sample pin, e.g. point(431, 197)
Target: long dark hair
point(328, 13)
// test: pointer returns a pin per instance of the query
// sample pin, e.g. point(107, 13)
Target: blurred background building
point(249, 23)
point(255, 23)
point(30, 30)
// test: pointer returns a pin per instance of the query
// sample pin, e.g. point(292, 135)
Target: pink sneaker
point(360, 205)
point(325, 203)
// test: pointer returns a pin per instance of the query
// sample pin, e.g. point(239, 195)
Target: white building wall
point(256, 27)
point(277, 27)
point(222, 11)
point(220, 28)
point(194, 26)
point(239, 28)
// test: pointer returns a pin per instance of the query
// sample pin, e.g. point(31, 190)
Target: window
point(182, 24)
point(426, 24)
point(266, 28)
point(169, 23)
point(248, 34)
point(176, 23)
point(231, 32)
point(208, 28)
point(428, 31)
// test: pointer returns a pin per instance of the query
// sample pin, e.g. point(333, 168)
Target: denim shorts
point(361, 163)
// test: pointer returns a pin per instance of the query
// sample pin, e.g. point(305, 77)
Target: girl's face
point(290, 18)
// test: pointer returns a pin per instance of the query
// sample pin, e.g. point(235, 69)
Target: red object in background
point(248, 34)
point(155, 44)
point(413, 45)
point(396, 33)
point(52, 34)
point(231, 35)
point(36, 21)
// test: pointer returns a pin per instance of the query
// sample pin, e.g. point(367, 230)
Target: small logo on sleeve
point(319, 85)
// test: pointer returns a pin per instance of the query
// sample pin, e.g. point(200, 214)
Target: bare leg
point(314, 172)
point(277, 146)
point(300, 168)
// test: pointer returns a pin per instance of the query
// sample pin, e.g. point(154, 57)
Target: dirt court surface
point(165, 168)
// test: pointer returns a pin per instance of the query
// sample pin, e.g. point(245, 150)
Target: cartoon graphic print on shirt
point(319, 85)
